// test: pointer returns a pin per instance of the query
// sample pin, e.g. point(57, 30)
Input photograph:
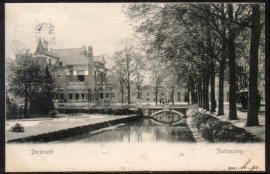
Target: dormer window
point(50, 61)
point(60, 63)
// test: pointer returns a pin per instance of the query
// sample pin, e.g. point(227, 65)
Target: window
point(81, 78)
point(228, 94)
point(70, 96)
point(62, 96)
point(147, 94)
point(50, 61)
point(77, 96)
point(56, 97)
point(178, 97)
point(60, 63)
point(82, 96)
point(148, 99)
point(154, 99)
point(186, 97)
point(80, 74)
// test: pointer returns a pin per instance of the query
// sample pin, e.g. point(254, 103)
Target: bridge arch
point(174, 111)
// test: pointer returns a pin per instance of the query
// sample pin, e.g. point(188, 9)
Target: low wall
point(65, 133)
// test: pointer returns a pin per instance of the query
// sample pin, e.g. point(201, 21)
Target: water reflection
point(168, 127)
point(167, 118)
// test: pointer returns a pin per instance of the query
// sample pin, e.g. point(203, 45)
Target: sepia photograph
point(134, 87)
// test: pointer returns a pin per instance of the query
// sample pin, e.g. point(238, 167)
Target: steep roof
point(41, 50)
point(71, 56)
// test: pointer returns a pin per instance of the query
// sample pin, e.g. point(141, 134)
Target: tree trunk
point(213, 99)
point(172, 97)
point(128, 80)
point(232, 71)
point(128, 88)
point(25, 112)
point(203, 91)
point(207, 91)
point(192, 94)
point(188, 95)
point(253, 100)
point(222, 66)
point(198, 95)
point(156, 96)
point(122, 91)
point(221, 82)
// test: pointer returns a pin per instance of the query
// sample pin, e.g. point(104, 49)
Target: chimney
point(45, 45)
point(90, 55)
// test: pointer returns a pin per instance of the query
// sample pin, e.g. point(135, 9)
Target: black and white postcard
point(134, 87)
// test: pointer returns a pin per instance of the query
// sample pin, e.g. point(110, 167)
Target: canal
point(163, 127)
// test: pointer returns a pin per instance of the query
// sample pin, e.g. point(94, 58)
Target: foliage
point(24, 77)
point(11, 109)
point(215, 130)
point(110, 110)
point(129, 65)
point(17, 128)
point(53, 113)
point(41, 102)
point(202, 36)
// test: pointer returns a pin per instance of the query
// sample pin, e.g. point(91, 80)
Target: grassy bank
point(215, 130)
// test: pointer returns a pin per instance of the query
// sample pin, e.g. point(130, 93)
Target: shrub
point(118, 111)
point(125, 111)
point(215, 130)
point(53, 113)
point(17, 128)
point(112, 110)
point(109, 110)
point(13, 110)
point(102, 110)
point(140, 112)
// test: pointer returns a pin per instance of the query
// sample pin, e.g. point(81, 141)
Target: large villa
point(81, 78)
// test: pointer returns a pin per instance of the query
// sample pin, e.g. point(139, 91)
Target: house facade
point(80, 77)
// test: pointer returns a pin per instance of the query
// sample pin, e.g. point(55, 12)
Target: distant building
point(180, 95)
point(80, 77)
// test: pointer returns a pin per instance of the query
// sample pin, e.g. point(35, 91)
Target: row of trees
point(196, 42)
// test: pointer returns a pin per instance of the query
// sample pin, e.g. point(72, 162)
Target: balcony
point(77, 84)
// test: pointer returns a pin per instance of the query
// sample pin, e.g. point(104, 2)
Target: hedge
point(110, 110)
point(215, 130)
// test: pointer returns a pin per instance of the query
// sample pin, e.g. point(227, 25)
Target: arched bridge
point(168, 117)
point(150, 111)
point(160, 111)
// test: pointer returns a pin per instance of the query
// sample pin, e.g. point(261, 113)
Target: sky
point(101, 25)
